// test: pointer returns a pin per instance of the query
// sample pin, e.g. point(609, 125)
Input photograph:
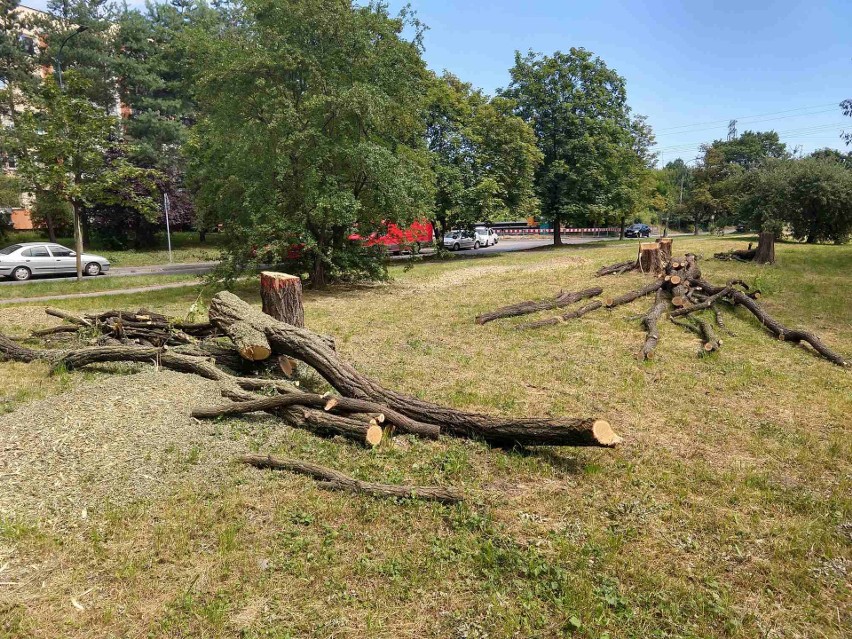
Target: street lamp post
point(58, 59)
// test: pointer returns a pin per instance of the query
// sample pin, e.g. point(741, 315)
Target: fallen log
point(711, 341)
point(618, 268)
point(650, 322)
point(336, 480)
point(628, 297)
point(533, 306)
point(561, 319)
point(228, 310)
point(774, 326)
point(343, 404)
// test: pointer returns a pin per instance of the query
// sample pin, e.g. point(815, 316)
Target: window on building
point(27, 44)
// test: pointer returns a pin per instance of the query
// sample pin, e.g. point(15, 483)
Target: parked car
point(485, 236)
point(455, 240)
point(741, 227)
point(21, 261)
point(637, 230)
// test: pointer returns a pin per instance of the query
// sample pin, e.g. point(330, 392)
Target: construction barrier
point(540, 231)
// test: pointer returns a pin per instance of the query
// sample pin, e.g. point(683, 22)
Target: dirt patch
point(120, 439)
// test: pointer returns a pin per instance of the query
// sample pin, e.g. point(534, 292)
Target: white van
point(485, 236)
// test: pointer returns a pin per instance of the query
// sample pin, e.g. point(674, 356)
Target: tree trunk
point(621, 230)
point(51, 227)
point(650, 322)
point(228, 310)
point(318, 276)
point(765, 253)
point(282, 297)
point(78, 239)
point(557, 231)
point(202, 235)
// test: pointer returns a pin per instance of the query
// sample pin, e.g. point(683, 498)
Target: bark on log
point(68, 317)
point(618, 268)
point(774, 326)
point(281, 295)
point(650, 322)
point(711, 341)
point(765, 253)
point(561, 319)
point(665, 249)
point(341, 404)
point(707, 303)
point(336, 480)
point(227, 309)
point(628, 297)
point(533, 306)
point(650, 260)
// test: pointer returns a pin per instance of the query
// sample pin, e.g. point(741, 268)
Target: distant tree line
point(292, 125)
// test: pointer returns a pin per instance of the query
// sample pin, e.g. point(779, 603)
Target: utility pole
point(732, 130)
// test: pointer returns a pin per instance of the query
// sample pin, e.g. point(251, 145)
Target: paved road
point(201, 268)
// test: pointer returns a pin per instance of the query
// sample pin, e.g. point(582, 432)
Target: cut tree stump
point(665, 244)
point(650, 259)
point(282, 297)
point(765, 253)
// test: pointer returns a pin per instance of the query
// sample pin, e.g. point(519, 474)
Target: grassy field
point(185, 248)
point(726, 513)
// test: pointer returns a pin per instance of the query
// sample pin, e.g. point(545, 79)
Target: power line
point(797, 131)
point(749, 117)
point(783, 117)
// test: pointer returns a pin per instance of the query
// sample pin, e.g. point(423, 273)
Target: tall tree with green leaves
point(578, 109)
point(71, 148)
point(17, 57)
point(311, 129)
point(483, 155)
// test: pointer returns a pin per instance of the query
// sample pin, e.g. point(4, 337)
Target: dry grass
point(727, 513)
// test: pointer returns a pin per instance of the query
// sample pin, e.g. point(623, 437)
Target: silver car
point(21, 261)
point(455, 240)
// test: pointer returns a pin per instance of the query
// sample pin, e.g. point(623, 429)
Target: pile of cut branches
point(680, 292)
point(361, 410)
point(141, 327)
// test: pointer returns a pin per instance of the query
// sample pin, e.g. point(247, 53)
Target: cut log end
point(255, 352)
point(675, 280)
point(330, 404)
point(678, 300)
point(604, 435)
point(374, 434)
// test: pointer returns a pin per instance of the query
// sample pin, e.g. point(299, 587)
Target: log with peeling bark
point(333, 479)
point(228, 310)
point(281, 295)
point(629, 296)
point(534, 306)
point(650, 322)
point(774, 326)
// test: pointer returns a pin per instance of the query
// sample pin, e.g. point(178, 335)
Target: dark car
point(741, 227)
point(637, 230)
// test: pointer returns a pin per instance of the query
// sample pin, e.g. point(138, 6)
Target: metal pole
point(168, 230)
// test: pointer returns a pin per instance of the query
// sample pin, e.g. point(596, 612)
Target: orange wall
point(21, 220)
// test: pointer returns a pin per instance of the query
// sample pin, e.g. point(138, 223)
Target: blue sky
point(690, 65)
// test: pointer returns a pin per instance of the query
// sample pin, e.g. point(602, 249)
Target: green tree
point(69, 147)
point(483, 155)
point(311, 128)
point(751, 148)
point(17, 57)
point(577, 107)
point(811, 197)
